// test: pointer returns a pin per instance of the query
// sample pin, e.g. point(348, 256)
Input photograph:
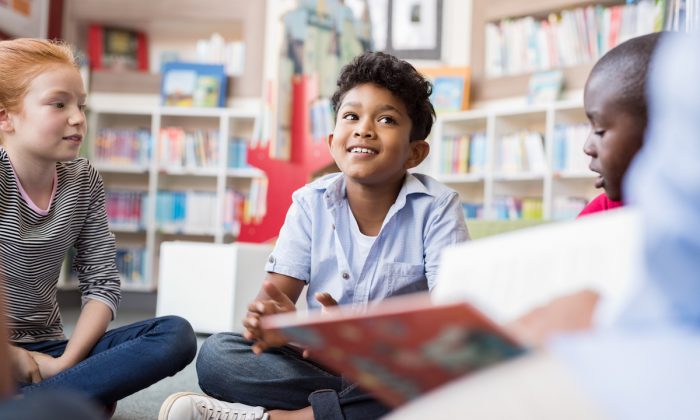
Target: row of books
point(123, 146)
point(235, 211)
point(473, 210)
point(126, 209)
point(521, 152)
point(237, 153)
point(186, 211)
point(464, 154)
point(682, 15)
point(130, 261)
point(573, 37)
point(180, 148)
point(131, 264)
point(517, 152)
point(518, 208)
point(567, 148)
point(529, 208)
point(194, 211)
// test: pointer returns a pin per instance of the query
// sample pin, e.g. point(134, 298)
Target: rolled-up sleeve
point(292, 253)
point(96, 252)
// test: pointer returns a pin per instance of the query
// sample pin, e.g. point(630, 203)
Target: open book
point(401, 347)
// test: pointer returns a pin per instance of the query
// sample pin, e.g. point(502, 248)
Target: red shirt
point(600, 203)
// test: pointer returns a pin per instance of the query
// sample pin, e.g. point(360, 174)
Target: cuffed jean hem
point(325, 405)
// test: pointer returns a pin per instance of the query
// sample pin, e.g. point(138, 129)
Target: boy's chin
point(613, 195)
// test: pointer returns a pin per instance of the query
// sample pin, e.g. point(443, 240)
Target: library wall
point(176, 23)
point(514, 161)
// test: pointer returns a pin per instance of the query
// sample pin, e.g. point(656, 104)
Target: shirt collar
point(334, 186)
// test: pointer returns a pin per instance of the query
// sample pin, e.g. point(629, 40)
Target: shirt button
point(333, 225)
point(271, 259)
point(345, 275)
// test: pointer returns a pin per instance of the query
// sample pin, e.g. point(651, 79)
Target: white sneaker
point(195, 406)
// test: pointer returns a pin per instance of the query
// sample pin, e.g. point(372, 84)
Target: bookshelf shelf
point(117, 168)
point(461, 178)
point(126, 228)
point(537, 135)
point(575, 175)
point(187, 232)
point(130, 287)
point(149, 198)
point(193, 112)
point(198, 172)
point(521, 177)
point(511, 40)
point(244, 173)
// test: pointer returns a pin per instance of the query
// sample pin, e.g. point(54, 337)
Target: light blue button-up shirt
point(647, 367)
point(315, 243)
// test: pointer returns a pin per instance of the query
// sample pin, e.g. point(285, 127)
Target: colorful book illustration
point(402, 347)
point(117, 48)
point(447, 93)
point(193, 84)
point(451, 86)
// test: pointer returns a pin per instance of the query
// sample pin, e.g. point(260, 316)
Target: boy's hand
point(573, 312)
point(325, 299)
point(278, 302)
point(24, 366)
point(48, 365)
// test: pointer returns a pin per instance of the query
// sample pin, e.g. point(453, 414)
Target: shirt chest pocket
point(403, 278)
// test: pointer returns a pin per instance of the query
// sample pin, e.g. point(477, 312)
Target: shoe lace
point(222, 413)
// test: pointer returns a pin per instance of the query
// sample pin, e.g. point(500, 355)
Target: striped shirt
point(34, 243)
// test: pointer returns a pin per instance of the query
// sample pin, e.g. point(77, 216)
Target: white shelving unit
point(484, 187)
point(152, 177)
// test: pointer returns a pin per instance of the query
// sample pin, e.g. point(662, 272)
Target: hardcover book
point(193, 84)
point(117, 49)
point(401, 347)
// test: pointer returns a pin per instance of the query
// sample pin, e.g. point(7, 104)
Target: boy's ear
point(330, 140)
point(419, 151)
point(5, 122)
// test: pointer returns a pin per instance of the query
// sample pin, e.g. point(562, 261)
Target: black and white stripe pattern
point(33, 247)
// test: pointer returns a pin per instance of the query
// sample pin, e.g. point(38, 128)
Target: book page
point(509, 274)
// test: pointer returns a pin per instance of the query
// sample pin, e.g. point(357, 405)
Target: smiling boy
point(372, 231)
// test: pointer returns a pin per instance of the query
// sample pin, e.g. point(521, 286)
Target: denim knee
point(180, 340)
point(212, 355)
point(218, 358)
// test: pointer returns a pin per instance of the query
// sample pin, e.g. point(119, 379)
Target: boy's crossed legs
point(280, 380)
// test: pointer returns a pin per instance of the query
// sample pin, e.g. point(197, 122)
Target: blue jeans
point(125, 360)
point(280, 378)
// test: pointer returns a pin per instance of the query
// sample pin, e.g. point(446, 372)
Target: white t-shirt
point(362, 244)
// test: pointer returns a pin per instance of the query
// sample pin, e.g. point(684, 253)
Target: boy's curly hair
point(397, 76)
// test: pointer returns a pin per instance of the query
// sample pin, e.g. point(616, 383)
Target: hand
point(326, 300)
point(572, 312)
point(277, 302)
point(48, 365)
point(24, 367)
